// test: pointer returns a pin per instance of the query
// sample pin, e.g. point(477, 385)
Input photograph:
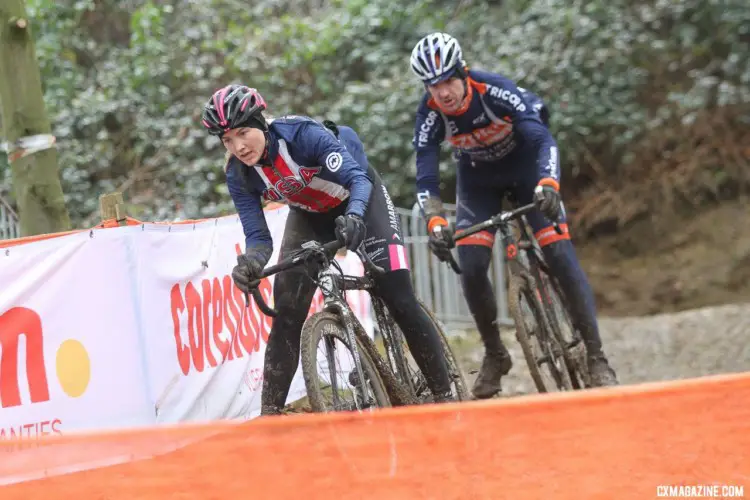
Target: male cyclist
point(323, 175)
point(501, 144)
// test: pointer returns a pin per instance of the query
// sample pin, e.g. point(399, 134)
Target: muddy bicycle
point(553, 348)
point(393, 381)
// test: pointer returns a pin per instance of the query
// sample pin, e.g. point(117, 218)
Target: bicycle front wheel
point(567, 335)
point(543, 352)
point(329, 368)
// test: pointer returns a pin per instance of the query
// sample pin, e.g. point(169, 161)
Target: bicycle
point(558, 346)
point(389, 382)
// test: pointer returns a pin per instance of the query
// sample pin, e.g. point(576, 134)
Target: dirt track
point(662, 347)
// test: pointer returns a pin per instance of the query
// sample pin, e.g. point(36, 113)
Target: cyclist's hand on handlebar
point(440, 238)
point(350, 230)
point(547, 197)
point(246, 274)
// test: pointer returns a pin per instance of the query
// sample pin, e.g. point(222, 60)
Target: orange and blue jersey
point(306, 166)
point(502, 145)
point(497, 122)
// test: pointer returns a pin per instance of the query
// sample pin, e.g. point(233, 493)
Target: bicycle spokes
point(340, 380)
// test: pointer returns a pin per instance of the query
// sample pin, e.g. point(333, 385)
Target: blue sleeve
point(429, 132)
point(548, 160)
point(323, 148)
point(505, 98)
point(249, 209)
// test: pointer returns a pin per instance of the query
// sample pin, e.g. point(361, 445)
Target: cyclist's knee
point(561, 251)
point(396, 290)
point(292, 294)
point(474, 260)
point(564, 265)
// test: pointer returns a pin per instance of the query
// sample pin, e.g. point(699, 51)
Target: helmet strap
point(264, 157)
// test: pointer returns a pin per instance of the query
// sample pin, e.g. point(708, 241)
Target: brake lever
point(454, 265)
point(555, 225)
point(451, 260)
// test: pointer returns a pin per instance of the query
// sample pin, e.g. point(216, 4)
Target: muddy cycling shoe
point(354, 378)
point(494, 366)
point(290, 409)
point(446, 397)
point(268, 411)
point(602, 375)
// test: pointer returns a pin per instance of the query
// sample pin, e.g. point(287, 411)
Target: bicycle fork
point(333, 304)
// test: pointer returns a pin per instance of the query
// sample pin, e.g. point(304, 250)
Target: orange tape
point(111, 223)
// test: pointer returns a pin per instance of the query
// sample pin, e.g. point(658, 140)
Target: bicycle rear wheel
point(541, 348)
point(329, 369)
point(409, 373)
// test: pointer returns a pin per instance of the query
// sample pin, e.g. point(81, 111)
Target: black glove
point(548, 200)
point(246, 274)
point(350, 230)
point(441, 241)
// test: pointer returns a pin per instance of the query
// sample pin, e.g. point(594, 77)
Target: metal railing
point(436, 283)
point(9, 227)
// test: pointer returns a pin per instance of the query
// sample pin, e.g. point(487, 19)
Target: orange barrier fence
point(630, 442)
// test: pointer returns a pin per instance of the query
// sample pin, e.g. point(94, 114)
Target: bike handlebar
point(310, 250)
point(494, 222)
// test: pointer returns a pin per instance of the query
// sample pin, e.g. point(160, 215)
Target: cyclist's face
point(245, 143)
point(449, 94)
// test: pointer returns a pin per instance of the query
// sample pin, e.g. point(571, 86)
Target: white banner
point(70, 353)
point(205, 348)
point(133, 326)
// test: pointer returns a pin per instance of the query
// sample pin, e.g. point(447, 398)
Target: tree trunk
point(36, 180)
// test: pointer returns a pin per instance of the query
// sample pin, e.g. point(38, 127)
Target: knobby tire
point(520, 286)
point(313, 331)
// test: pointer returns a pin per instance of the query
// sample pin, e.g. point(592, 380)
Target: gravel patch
point(695, 343)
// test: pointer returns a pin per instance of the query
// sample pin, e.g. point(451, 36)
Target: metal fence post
point(9, 227)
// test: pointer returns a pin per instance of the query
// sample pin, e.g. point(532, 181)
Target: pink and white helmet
point(233, 106)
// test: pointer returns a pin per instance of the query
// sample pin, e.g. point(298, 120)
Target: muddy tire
point(562, 326)
point(549, 348)
point(458, 381)
point(409, 372)
point(328, 326)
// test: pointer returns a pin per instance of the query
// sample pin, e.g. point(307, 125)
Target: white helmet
point(436, 57)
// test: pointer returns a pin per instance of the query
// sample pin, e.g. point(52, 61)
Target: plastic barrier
point(118, 327)
point(630, 442)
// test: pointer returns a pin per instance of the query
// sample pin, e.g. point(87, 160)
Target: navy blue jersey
point(307, 166)
point(497, 119)
point(537, 104)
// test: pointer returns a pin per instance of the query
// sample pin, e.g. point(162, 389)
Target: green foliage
point(125, 80)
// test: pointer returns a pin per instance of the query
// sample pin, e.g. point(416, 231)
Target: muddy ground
point(673, 304)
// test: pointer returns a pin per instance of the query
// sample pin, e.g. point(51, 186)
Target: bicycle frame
point(501, 223)
point(332, 284)
point(528, 264)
